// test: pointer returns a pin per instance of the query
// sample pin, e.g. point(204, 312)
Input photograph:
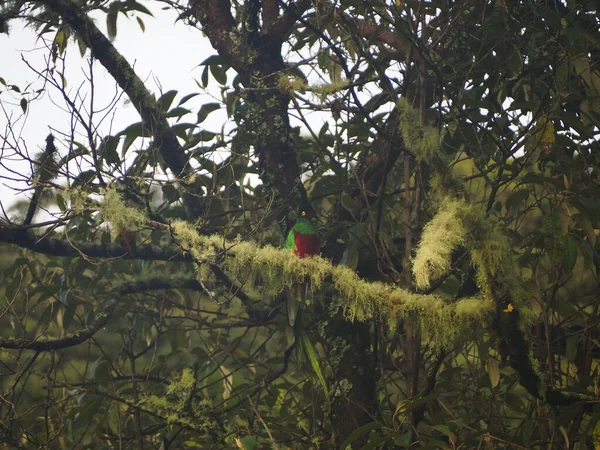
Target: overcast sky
point(166, 56)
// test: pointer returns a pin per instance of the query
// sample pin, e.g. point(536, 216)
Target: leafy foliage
point(456, 182)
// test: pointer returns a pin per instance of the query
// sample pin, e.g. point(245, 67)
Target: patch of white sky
point(166, 56)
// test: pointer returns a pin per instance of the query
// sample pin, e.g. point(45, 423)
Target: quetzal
point(303, 240)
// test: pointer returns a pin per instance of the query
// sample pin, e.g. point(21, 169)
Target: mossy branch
point(101, 317)
point(424, 141)
point(120, 216)
point(459, 224)
point(361, 300)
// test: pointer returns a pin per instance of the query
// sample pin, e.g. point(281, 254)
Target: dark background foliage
point(114, 336)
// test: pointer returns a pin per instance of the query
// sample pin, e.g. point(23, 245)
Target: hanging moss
point(360, 300)
point(326, 89)
point(491, 254)
point(177, 408)
point(120, 216)
point(457, 224)
point(441, 236)
point(424, 141)
point(291, 84)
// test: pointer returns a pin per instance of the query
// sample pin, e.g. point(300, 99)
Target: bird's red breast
point(306, 244)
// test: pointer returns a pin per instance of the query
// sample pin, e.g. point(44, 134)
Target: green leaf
point(60, 202)
point(247, 442)
point(24, 105)
point(347, 202)
point(493, 371)
point(84, 178)
point(187, 97)
point(358, 433)
point(45, 318)
point(181, 130)
point(213, 59)
point(81, 45)
point(219, 73)
point(108, 150)
point(141, 24)
point(553, 235)
point(570, 252)
point(204, 77)
point(206, 109)
point(565, 436)
point(403, 440)
point(131, 133)
point(100, 369)
point(589, 207)
point(513, 401)
point(178, 112)
point(443, 429)
point(165, 100)
point(517, 198)
point(201, 136)
point(311, 355)
point(571, 347)
point(170, 193)
point(177, 339)
point(132, 5)
point(527, 431)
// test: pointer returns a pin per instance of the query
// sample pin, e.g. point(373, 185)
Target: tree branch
point(55, 247)
point(102, 317)
point(145, 103)
point(283, 26)
point(257, 59)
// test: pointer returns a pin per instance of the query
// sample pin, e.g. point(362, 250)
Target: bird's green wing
point(290, 242)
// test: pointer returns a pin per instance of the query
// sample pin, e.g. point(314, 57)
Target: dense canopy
point(449, 152)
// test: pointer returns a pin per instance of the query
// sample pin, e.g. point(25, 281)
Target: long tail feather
point(292, 304)
point(312, 357)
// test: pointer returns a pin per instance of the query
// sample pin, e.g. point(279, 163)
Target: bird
point(303, 240)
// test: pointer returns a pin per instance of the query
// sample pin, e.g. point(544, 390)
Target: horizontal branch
point(56, 247)
point(102, 318)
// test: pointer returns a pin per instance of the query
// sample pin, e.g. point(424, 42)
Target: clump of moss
point(424, 141)
point(325, 89)
point(360, 300)
point(179, 405)
point(456, 225)
point(491, 254)
point(441, 236)
point(77, 198)
point(291, 84)
point(120, 216)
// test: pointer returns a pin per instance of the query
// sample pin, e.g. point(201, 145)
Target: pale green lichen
point(181, 404)
point(359, 299)
point(491, 254)
point(120, 216)
point(77, 198)
point(423, 140)
point(441, 236)
point(326, 89)
point(460, 225)
point(291, 84)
